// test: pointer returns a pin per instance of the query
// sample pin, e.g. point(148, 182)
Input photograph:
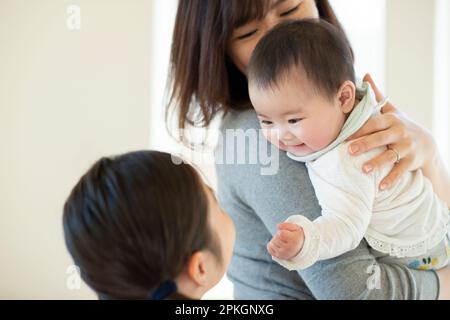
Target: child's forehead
point(289, 86)
point(294, 79)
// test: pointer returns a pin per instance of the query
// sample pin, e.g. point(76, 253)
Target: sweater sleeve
point(245, 192)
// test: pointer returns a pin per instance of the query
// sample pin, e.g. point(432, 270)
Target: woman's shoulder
point(240, 119)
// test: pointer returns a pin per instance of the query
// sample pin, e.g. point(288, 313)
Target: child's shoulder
point(344, 153)
point(340, 157)
point(340, 168)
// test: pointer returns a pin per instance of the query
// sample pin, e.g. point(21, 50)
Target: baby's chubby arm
point(346, 196)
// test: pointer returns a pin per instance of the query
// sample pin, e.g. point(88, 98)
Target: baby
point(302, 86)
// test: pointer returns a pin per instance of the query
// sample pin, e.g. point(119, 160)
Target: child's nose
point(286, 135)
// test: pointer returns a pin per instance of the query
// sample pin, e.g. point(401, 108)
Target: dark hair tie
point(166, 289)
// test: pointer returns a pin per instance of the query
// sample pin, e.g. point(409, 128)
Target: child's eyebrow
point(284, 114)
point(291, 112)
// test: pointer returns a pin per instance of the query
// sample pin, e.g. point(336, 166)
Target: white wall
point(66, 98)
point(441, 81)
point(417, 64)
point(364, 22)
point(405, 45)
point(409, 57)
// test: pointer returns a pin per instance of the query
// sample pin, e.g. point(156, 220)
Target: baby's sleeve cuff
point(310, 251)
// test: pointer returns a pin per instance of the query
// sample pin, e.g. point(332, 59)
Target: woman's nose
point(270, 21)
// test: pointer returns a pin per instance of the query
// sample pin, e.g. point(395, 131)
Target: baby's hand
point(288, 241)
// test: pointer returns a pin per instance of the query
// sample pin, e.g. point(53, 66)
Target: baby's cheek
point(322, 139)
point(272, 137)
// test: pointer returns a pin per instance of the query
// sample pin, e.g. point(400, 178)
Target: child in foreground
point(144, 226)
point(302, 85)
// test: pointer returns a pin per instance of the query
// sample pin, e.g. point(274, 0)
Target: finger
point(368, 78)
point(388, 157)
point(374, 124)
point(288, 226)
point(270, 249)
point(278, 243)
point(289, 236)
point(392, 178)
point(282, 236)
point(375, 140)
point(273, 251)
point(293, 236)
point(273, 246)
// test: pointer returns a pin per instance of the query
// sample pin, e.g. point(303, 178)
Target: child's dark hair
point(313, 46)
point(133, 221)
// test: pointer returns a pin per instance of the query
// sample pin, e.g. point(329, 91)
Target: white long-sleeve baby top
point(406, 220)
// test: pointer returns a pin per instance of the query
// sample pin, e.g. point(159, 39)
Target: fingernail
point(384, 186)
point(367, 168)
point(354, 148)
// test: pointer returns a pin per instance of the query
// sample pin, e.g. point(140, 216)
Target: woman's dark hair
point(203, 79)
point(311, 46)
point(133, 221)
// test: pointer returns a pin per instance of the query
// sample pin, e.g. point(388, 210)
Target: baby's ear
point(346, 96)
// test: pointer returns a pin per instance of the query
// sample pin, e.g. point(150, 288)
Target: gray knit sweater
point(257, 202)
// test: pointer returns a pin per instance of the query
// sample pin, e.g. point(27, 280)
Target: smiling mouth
point(296, 145)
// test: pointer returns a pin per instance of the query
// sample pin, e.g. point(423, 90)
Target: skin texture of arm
point(436, 171)
point(273, 198)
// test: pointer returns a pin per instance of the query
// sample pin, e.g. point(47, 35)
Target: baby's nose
point(286, 135)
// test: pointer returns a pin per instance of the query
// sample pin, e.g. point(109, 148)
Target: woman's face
point(224, 232)
point(245, 38)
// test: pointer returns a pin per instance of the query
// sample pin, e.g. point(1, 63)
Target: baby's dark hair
point(312, 46)
point(133, 221)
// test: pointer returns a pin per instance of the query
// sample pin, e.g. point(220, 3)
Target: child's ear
point(347, 96)
point(196, 268)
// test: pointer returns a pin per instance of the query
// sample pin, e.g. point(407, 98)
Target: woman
point(212, 44)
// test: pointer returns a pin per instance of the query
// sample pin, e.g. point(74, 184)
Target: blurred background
point(73, 90)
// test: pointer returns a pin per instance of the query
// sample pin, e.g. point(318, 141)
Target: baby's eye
point(294, 121)
point(266, 122)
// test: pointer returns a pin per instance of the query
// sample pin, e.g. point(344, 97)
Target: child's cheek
point(272, 136)
point(308, 133)
point(266, 133)
point(320, 139)
point(300, 132)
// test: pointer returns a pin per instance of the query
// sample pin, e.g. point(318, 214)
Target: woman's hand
point(415, 145)
point(444, 283)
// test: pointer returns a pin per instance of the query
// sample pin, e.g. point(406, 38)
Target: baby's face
point(296, 118)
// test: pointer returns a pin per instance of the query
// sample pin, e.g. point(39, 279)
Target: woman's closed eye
point(290, 11)
point(282, 15)
point(247, 35)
